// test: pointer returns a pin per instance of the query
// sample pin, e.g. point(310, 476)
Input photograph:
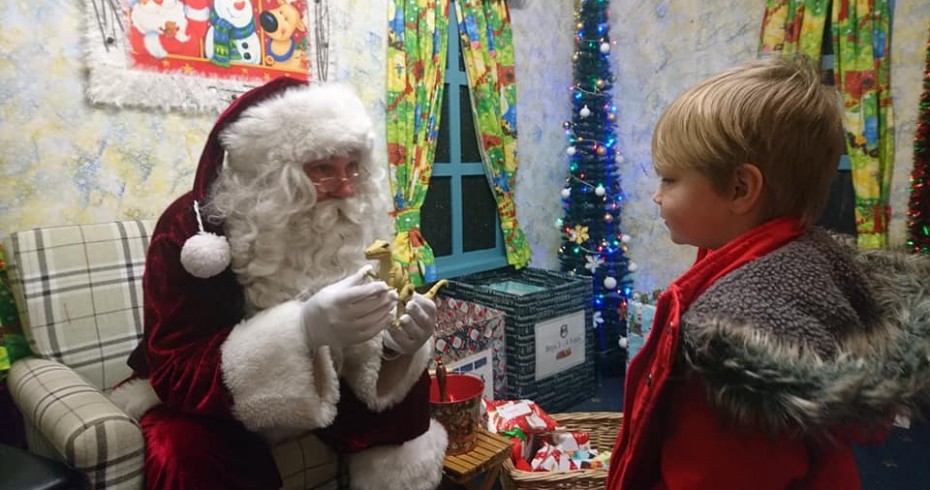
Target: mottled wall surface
point(64, 161)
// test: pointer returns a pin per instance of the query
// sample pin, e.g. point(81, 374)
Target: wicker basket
point(601, 426)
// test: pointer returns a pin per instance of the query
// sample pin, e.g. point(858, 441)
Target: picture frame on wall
point(198, 55)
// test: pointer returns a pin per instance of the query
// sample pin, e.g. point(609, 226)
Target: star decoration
point(579, 234)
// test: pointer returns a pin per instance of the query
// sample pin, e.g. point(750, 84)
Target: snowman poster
point(197, 55)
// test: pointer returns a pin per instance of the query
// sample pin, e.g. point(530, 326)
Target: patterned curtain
point(861, 39)
point(861, 35)
point(791, 26)
point(417, 41)
point(487, 48)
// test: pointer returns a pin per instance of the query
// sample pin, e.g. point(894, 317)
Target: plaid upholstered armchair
point(78, 290)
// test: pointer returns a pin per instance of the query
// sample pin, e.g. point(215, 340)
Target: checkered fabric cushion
point(308, 463)
point(80, 425)
point(79, 291)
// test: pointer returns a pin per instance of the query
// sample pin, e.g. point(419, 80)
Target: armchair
point(78, 290)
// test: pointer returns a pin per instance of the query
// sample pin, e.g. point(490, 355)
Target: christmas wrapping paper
point(641, 309)
point(465, 329)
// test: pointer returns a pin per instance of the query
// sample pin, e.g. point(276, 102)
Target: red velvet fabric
point(194, 452)
point(357, 428)
point(653, 450)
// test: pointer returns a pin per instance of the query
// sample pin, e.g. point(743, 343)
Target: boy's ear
point(748, 183)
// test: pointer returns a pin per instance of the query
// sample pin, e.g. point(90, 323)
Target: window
point(459, 216)
point(839, 212)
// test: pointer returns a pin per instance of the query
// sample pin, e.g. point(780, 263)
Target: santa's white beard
point(314, 249)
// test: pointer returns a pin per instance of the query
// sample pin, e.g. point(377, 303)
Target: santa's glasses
point(330, 178)
point(332, 183)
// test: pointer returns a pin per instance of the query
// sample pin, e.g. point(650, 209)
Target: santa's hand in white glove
point(417, 325)
point(348, 312)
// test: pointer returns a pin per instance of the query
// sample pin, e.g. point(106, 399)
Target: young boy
point(780, 346)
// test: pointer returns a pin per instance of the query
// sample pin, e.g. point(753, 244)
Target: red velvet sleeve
point(187, 319)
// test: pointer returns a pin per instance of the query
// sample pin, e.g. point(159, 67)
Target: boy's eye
point(667, 180)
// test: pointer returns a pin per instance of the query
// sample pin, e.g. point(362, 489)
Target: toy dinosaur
point(395, 276)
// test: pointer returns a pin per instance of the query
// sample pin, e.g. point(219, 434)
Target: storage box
point(470, 339)
point(548, 335)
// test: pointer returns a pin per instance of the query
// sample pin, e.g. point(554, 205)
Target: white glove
point(348, 312)
point(417, 325)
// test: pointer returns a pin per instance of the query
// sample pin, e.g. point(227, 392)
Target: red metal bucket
point(460, 412)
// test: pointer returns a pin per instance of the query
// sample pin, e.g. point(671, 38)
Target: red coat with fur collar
point(760, 358)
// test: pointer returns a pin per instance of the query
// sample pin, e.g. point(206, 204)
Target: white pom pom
point(623, 342)
point(584, 112)
point(610, 283)
point(205, 255)
point(566, 193)
point(599, 190)
point(605, 48)
point(570, 150)
point(632, 267)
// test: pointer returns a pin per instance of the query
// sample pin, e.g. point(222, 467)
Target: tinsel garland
point(918, 214)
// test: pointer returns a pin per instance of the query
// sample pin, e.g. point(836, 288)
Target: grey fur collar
point(814, 335)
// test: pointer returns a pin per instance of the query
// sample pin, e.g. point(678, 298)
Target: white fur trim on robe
point(414, 465)
point(380, 383)
point(276, 382)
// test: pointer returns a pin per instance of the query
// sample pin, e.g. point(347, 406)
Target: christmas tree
point(918, 214)
point(593, 243)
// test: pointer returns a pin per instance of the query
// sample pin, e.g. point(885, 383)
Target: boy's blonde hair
point(774, 113)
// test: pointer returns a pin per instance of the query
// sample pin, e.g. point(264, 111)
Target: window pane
point(436, 216)
point(478, 214)
point(461, 57)
point(470, 152)
point(839, 213)
point(442, 139)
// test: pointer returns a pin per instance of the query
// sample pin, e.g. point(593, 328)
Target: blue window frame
point(459, 216)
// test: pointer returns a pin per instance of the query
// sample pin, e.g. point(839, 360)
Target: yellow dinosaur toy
point(395, 276)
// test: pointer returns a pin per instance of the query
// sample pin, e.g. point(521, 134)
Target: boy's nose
point(655, 197)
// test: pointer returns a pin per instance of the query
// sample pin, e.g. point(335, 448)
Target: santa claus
point(261, 321)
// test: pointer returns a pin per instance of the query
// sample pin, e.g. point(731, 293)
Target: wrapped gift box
point(470, 339)
point(641, 309)
point(547, 326)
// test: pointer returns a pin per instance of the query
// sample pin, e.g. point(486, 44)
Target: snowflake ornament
point(593, 261)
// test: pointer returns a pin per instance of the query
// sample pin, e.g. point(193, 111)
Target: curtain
point(861, 37)
point(417, 41)
point(487, 48)
point(791, 26)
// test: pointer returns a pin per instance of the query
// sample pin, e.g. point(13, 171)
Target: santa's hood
point(778, 366)
point(286, 122)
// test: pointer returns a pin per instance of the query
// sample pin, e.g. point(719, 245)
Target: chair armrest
point(86, 430)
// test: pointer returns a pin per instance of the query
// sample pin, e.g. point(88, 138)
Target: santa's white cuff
point(414, 465)
point(276, 381)
point(380, 383)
